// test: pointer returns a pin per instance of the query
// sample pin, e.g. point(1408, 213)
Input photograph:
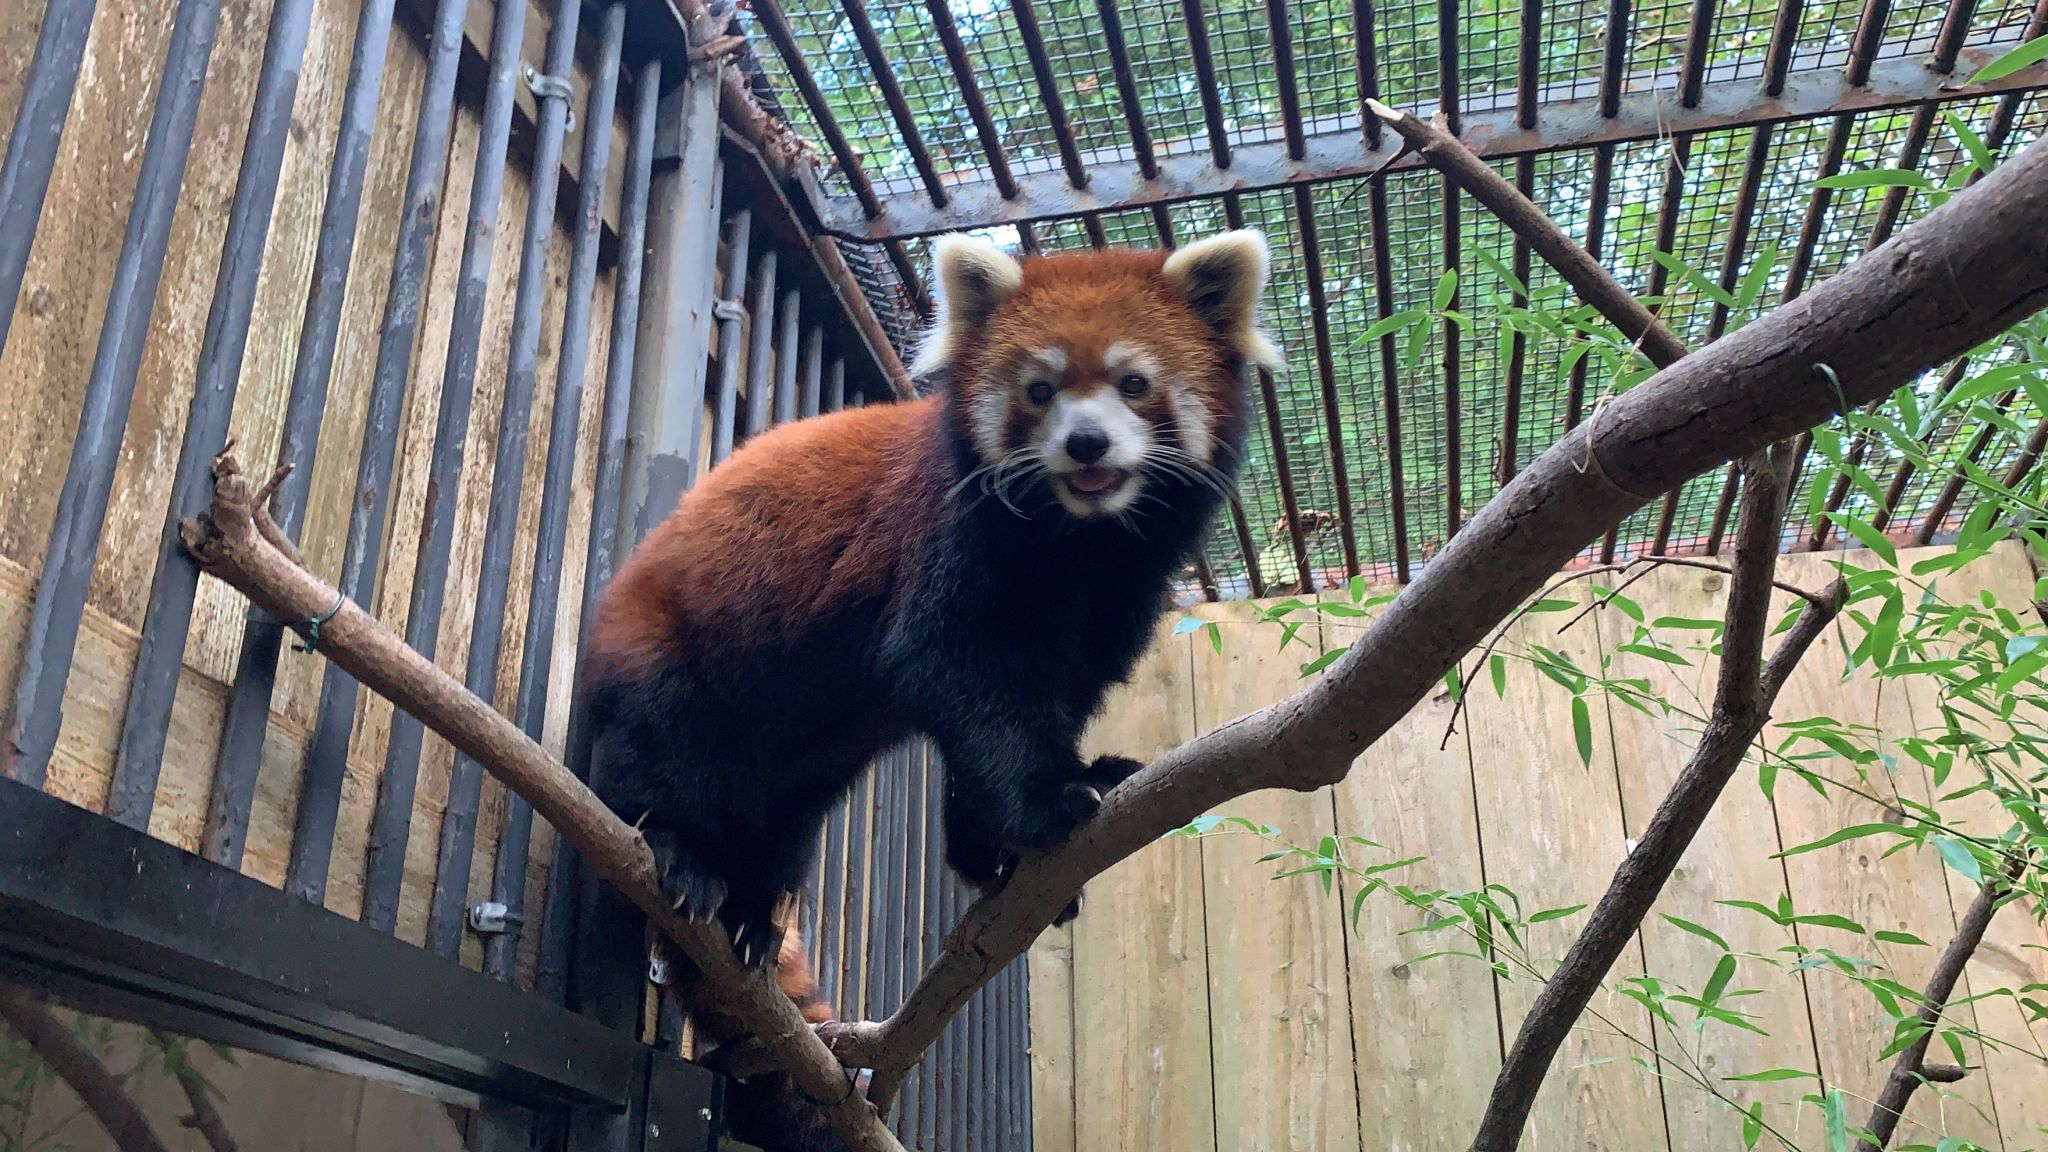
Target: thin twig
point(1910, 1070)
point(1743, 695)
point(98, 1089)
point(205, 1118)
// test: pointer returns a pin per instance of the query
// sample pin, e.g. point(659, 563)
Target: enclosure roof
point(1683, 142)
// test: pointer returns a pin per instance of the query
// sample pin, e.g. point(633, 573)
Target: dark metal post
point(787, 327)
point(391, 820)
point(326, 760)
point(89, 476)
point(248, 710)
point(760, 342)
point(508, 883)
point(32, 147)
point(732, 315)
point(835, 385)
point(175, 582)
point(812, 372)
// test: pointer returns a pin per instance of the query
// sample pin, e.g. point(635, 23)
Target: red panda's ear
point(971, 279)
point(1222, 278)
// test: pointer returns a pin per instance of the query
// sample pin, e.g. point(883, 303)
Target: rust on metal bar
point(1784, 40)
point(1518, 349)
point(1337, 148)
point(1869, 38)
point(1027, 238)
point(906, 271)
point(1281, 30)
point(1698, 39)
point(1368, 68)
point(1205, 78)
point(1092, 222)
point(1529, 64)
point(1289, 505)
point(769, 14)
point(1614, 59)
point(1910, 151)
point(1817, 208)
point(1447, 72)
point(1049, 92)
point(1390, 390)
point(1326, 367)
point(1672, 203)
point(969, 90)
point(1127, 87)
point(1938, 512)
point(884, 78)
point(1454, 471)
point(1882, 517)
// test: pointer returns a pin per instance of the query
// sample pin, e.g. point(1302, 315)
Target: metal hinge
point(491, 918)
point(731, 310)
point(545, 87)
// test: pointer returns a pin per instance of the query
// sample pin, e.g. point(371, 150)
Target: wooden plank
point(1904, 892)
point(1413, 795)
point(1279, 1004)
point(1551, 831)
point(1141, 1025)
point(1731, 859)
point(2014, 952)
point(1053, 1091)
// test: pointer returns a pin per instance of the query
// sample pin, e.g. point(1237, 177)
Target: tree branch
point(1910, 1070)
point(1741, 706)
point(205, 1118)
point(99, 1090)
point(1895, 312)
point(230, 542)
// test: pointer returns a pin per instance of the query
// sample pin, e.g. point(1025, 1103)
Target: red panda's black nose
point(1087, 444)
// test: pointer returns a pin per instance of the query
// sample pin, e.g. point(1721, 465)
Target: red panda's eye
point(1133, 385)
point(1040, 392)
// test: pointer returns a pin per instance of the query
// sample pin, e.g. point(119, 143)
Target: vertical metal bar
point(1596, 234)
point(910, 925)
point(932, 920)
point(32, 145)
point(1048, 82)
point(1333, 416)
point(325, 763)
point(731, 313)
point(1955, 29)
point(906, 270)
point(760, 343)
point(1518, 345)
point(446, 911)
point(1092, 222)
point(1127, 87)
point(1672, 204)
point(1616, 39)
point(175, 581)
point(1699, 37)
point(1910, 151)
point(1205, 81)
point(883, 77)
point(391, 819)
point(769, 14)
point(89, 475)
point(1291, 507)
point(831, 924)
point(885, 920)
point(1731, 272)
point(1027, 238)
point(1246, 546)
point(1809, 238)
point(788, 323)
point(1784, 38)
point(1937, 513)
point(1390, 358)
point(529, 711)
point(602, 550)
point(248, 710)
point(1882, 516)
point(811, 372)
point(860, 853)
point(1454, 470)
point(969, 91)
point(1366, 65)
point(1529, 64)
point(1869, 38)
point(835, 385)
point(1281, 30)
point(1447, 72)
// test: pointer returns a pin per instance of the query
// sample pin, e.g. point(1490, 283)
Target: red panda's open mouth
point(1096, 481)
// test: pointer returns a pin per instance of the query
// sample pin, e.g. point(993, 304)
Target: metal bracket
point(491, 918)
point(545, 87)
point(731, 310)
point(657, 970)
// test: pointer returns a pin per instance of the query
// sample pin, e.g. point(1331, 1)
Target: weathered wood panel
point(1053, 1094)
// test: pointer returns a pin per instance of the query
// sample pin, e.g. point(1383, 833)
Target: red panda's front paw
point(1068, 913)
point(1109, 771)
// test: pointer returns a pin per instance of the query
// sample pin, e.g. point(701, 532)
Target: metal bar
point(1613, 61)
point(602, 550)
point(1049, 92)
point(1092, 222)
point(835, 385)
point(1596, 234)
point(788, 323)
point(1247, 547)
point(32, 145)
point(1367, 69)
point(954, 1040)
point(934, 928)
point(1205, 81)
point(1732, 257)
point(739, 238)
point(812, 372)
point(769, 14)
point(1447, 72)
point(1671, 205)
point(884, 78)
point(831, 920)
point(1337, 151)
point(1127, 87)
point(248, 710)
point(1281, 30)
point(761, 343)
point(1699, 38)
point(111, 911)
point(1869, 38)
point(1027, 238)
point(448, 907)
point(391, 819)
point(1882, 516)
point(74, 539)
point(1390, 358)
point(1784, 40)
point(885, 922)
point(1938, 512)
point(1529, 63)
point(906, 271)
point(508, 881)
point(175, 581)
point(325, 764)
point(860, 851)
point(1326, 370)
point(1910, 151)
point(969, 91)
point(1269, 394)
point(1518, 345)
point(1454, 472)
point(1955, 28)
point(1809, 239)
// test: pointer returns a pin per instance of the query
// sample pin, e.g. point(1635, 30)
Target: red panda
point(978, 566)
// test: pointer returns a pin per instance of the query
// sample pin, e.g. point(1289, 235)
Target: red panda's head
point(1102, 370)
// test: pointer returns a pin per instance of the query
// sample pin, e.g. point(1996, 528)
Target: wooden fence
point(1198, 1003)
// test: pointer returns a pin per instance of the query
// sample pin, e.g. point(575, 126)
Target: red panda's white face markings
point(1100, 372)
